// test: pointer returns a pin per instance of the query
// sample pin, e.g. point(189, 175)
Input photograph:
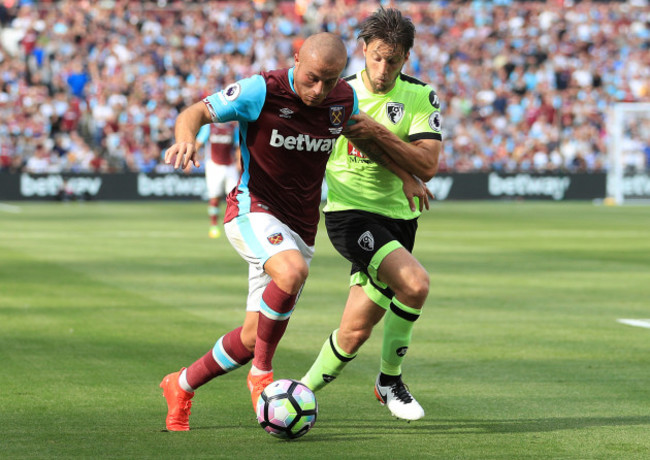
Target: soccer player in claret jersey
point(221, 159)
point(289, 120)
point(370, 218)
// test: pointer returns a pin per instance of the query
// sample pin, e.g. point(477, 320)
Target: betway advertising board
point(102, 186)
point(470, 186)
point(497, 186)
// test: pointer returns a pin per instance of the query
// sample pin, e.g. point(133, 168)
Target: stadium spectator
point(504, 65)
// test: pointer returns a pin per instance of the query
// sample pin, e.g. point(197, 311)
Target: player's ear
point(408, 54)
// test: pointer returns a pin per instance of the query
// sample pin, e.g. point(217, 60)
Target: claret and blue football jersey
point(285, 146)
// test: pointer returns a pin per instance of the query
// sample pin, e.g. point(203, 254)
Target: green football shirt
point(411, 110)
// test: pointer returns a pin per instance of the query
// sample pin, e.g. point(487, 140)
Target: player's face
point(383, 65)
point(314, 80)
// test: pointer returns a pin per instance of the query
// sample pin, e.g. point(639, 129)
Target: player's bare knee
point(421, 286)
point(414, 291)
point(291, 279)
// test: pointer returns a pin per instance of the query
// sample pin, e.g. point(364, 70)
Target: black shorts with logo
point(358, 235)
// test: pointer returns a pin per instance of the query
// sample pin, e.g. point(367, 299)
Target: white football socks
point(182, 381)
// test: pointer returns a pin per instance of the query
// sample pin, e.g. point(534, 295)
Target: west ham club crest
point(275, 239)
point(337, 112)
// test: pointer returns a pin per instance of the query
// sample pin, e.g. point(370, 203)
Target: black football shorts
point(365, 238)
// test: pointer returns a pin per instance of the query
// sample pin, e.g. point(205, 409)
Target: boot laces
point(401, 392)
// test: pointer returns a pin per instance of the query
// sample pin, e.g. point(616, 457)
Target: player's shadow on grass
point(330, 431)
point(510, 425)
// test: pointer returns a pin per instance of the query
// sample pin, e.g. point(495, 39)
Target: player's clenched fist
point(181, 154)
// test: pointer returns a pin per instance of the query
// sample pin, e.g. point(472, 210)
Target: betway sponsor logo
point(170, 185)
point(440, 187)
point(526, 185)
point(51, 185)
point(301, 142)
point(636, 186)
point(220, 138)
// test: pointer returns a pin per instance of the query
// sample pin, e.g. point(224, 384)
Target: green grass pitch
point(518, 354)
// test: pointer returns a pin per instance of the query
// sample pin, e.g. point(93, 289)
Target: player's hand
point(360, 126)
point(181, 155)
point(414, 187)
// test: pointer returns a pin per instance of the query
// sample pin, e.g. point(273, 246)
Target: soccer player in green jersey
point(373, 204)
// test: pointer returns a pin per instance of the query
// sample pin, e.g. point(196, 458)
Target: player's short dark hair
point(389, 26)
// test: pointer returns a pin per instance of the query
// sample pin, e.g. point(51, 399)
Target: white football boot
point(399, 400)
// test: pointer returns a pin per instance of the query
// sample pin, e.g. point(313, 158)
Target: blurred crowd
point(95, 86)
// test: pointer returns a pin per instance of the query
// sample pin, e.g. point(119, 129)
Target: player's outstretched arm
point(184, 151)
point(411, 185)
point(419, 157)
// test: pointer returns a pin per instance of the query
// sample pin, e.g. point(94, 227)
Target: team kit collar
point(290, 76)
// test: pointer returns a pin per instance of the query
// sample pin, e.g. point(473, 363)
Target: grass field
point(518, 353)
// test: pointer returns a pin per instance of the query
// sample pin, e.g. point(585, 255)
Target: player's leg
point(213, 212)
point(410, 282)
point(288, 271)
point(393, 279)
point(212, 186)
point(346, 231)
point(271, 246)
point(359, 317)
point(230, 352)
point(231, 178)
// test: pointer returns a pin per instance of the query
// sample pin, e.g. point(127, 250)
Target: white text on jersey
point(301, 142)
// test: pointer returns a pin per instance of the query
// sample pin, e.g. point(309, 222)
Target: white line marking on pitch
point(636, 322)
point(10, 208)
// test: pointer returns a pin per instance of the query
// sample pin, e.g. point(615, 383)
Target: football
point(287, 409)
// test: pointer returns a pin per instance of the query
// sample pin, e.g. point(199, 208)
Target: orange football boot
point(256, 385)
point(179, 402)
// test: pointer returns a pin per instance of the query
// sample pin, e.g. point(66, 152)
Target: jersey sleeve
point(427, 122)
point(240, 101)
point(355, 106)
point(203, 134)
point(235, 136)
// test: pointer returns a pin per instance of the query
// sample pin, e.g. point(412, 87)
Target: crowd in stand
point(95, 86)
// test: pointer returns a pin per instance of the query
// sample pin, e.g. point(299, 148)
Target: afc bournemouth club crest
point(367, 241)
point(275, 239)
point(337, 112)
point(395, 112)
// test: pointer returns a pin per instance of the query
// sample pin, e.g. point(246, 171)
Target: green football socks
point(398, 328)
point(329, 364)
